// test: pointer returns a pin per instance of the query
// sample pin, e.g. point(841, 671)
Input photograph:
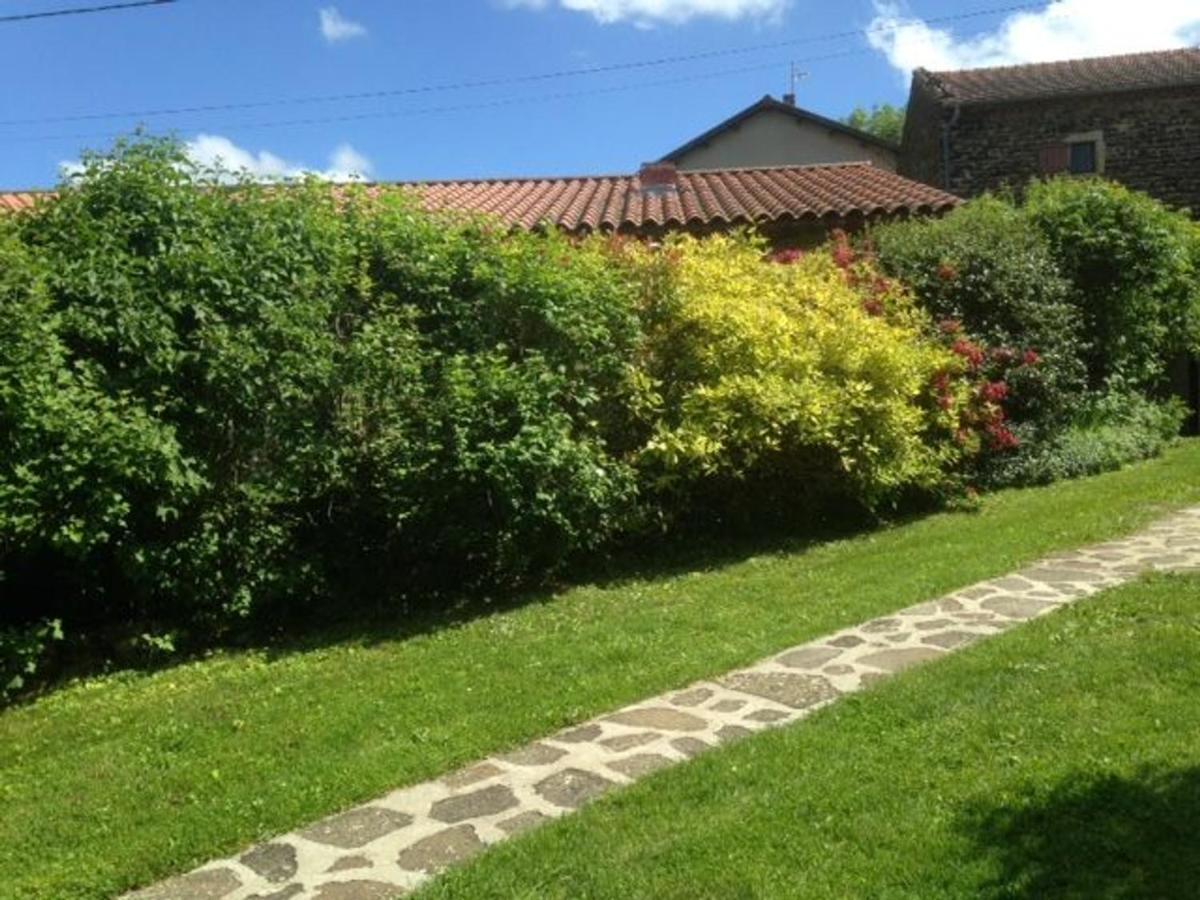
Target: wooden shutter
point(1054, 158)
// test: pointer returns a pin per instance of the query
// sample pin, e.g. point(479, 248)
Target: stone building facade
point(1134, 119)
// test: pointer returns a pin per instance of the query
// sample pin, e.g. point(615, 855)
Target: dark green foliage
point(219, 400)
point(484, 401)
point(882, 120)
point(984, 267)
point(1133, 267)
point(1105, 433)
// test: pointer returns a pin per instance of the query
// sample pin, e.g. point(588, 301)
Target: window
point(1083, 157)
point(1077, 154)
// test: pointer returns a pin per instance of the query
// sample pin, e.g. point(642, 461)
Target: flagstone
point(357, 827)
point(571, 788)
point(436, 852)
point(485, 802)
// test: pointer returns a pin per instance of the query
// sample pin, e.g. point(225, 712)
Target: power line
point(507, 80)
point(82, 10)
point(462, 107)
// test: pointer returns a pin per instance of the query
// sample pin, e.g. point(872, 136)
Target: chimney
point(789, 99)
point(658, 178)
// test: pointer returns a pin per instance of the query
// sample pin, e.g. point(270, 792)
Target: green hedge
point(1134, 270)
point(223, 402)
point(227, 404)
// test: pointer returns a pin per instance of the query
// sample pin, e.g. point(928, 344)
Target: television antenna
point(795, 76)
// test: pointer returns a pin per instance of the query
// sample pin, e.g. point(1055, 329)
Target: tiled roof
point(715, 197)
point(1099, 75)
point(712, 198)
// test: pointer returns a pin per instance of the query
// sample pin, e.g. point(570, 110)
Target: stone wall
point(1151, 142)
point(921, 148)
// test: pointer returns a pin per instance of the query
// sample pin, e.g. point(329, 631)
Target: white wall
point(773, 138)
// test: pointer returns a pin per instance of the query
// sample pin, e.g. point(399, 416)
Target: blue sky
point(222, 52)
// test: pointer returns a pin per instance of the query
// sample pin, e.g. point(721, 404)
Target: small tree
point(882, 120)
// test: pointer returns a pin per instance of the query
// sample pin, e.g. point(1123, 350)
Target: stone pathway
point(389, 846)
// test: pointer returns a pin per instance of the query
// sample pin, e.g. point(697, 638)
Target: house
point(1133, 118)
point(778, 133)
point(792, 205)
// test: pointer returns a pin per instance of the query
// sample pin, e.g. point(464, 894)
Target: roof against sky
point(470, 88)
point(1096, 75)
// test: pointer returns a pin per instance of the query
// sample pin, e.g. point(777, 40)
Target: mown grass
point(115, 782)
point(1061, 760)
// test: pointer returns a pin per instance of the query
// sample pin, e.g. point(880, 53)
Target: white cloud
point(1065, 29)
point(211, 150)
point(347, 164)
point(336, 27)
point(672, 12)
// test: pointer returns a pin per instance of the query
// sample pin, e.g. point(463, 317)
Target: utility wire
point(462, 107)
point(507, 80)
point(82, 10)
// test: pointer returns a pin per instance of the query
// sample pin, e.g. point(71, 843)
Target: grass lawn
point(1059, 761)
point(116, 782)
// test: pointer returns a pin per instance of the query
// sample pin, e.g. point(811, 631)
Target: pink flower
point(1031, 358)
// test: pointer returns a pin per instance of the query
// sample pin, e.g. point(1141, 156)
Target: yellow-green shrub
point(814, 374)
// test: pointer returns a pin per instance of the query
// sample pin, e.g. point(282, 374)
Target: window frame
point(1096, 139)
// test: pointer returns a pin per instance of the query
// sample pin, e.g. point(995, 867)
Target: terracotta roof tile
point(711, 198)
point(1098, 75)
point(15, 201)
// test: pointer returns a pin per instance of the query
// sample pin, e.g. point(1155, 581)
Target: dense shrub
point(220, 399)
point(1105, 433)
point(1134, 268)
point(207, 316)
point(984, 267)
point(485, 398)
point(783, 373)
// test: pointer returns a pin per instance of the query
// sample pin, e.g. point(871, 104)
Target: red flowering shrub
point(843, 253)
point(974, 393)
point(970, 351)
point(994, 391)
point(983, 266)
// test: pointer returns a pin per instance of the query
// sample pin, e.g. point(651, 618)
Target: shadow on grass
point(389, 618)
point(1096, 838)
point(368, 613)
